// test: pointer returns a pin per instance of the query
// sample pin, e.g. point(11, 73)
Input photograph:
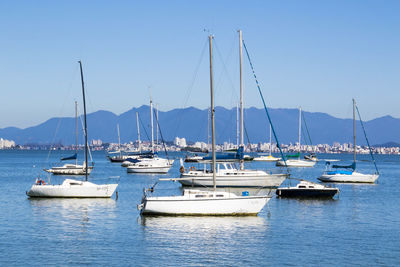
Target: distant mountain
point(191, 123)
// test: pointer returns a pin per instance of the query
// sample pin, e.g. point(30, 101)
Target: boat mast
point(354, 131)
point(84, 112)
point(151, 122)
point(212, 115)
point(138, 131)
point(119, 141)
point(299, 128)
point(241, 96)
point(76, 132)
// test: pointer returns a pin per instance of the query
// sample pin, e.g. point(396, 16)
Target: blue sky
point(314, 54)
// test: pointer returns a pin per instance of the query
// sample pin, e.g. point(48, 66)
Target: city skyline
point(313, 54)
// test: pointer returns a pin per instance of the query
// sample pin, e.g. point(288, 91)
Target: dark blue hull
point(307, 193)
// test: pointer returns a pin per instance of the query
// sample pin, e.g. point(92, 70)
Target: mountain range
point(191, 123)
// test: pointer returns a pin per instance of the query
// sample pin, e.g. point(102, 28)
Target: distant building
point(4, 144)
point(97, 142)
point(180, 142)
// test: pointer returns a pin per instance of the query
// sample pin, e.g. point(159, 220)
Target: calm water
point(361, 227)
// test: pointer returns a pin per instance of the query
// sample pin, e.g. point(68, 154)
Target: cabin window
point(311, 186)
point(302, 186)
point(219, 195)
point(200, 196)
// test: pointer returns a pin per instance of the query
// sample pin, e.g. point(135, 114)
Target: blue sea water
point(361, 227)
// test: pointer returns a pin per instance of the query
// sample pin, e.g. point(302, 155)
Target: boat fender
point(182, 169)
point(192, 168)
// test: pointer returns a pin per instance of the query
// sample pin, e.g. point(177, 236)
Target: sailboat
point(71, 169)
point(348, 174)
point(71, 188)
point(207, 202)
point(153, 164)
point(227, 174)
point(269, 157)
point(294, 160)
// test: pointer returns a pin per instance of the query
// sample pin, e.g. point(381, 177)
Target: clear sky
point(314, 54)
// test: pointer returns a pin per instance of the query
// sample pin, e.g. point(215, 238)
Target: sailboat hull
point(73, 189)
point(354, 177)
point(181, 206)
point(237, 179)
point(295, 163)
point(69, 169)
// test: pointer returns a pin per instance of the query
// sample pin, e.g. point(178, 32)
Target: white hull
point(131, 169)
point(73, 189)
point(69, 169)
point(209, 204)
point(246, 178)
point(154, 165)
point(266, 158)
point(295, 163)
point(355, 177)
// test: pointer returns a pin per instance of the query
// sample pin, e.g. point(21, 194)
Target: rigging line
point(265, 107)
point(144, 128)
point(161, 135)
point(305, 124)
point(247, 136)
point(189, 91)
point(61, 112)
point(366, 138)
point(224, 69)
point(304, 136)
point(83, 130)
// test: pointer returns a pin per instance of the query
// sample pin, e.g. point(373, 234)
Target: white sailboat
point(227, 174)
point(153, 164)
point(74, 188)
point(294, 160)
point(210, 202)
point(269, 157)
point(71, 169)
point(348, 174)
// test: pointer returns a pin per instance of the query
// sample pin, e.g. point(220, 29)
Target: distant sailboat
point(71, 169)
point(152, 164)
point(269, 157)
point(348, 174)
point(207, 202)
point(74, 188)
point(294, 160)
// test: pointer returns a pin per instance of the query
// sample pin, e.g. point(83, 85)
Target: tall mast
point(84, 112)
point(212, 115)
point(138, 131)
point(119, 141)
point(76, 132)
point(299, 128)
point(354, 131)
point(151, 122)
point(241, 95)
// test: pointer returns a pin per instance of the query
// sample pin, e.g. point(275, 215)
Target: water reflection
point(203, 224)
point(53, 210)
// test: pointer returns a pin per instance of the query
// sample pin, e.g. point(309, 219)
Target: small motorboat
point(307, 189)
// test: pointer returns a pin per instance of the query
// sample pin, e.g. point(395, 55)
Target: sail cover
point(351, 166)
point(74, 156)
